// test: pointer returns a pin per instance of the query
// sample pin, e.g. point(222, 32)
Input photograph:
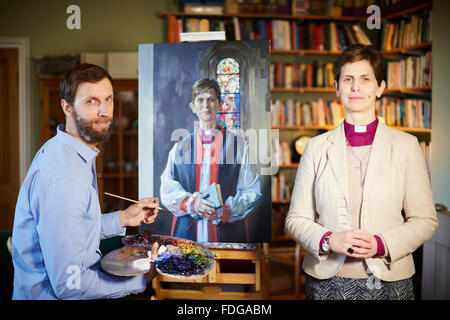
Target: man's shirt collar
point(87, 153)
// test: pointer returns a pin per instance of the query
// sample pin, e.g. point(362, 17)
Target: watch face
point(300, 144)
point(326, 245)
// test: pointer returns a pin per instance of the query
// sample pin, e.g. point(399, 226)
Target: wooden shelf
point(331, 90)
point(420, 46)
point(303, 89)
point(412, 130)
point(307, 52)
point(281, 201)
point(408, 11)
point(408, 90)
point(261, 16)
point(304, 128)
point(330, 127)
point(288, 166)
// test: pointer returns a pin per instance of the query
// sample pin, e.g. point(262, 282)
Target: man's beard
point(88, 133)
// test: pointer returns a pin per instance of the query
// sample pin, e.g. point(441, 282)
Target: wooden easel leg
point(265, 272)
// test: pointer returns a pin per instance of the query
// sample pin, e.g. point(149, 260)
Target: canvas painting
point(204, 139)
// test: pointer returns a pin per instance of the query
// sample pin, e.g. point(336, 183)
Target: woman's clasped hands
point(356, 243)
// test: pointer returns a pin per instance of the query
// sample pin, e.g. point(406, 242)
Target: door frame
point(23, 46)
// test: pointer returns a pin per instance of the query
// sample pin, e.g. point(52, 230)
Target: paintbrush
point(135, 201)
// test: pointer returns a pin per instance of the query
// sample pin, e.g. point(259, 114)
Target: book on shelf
point(203, 8)
point(281, 153)
point(299, 7)
point(410, 72)
point(283, 34)
point(317, 36)
point(280, 188)
point(360, 35)
point(426, 149)
point(299, 75)
point(318, 112)
point(410, 31)
point(410, 113)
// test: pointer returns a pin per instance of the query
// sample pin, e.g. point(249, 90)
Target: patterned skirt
point(372, 288)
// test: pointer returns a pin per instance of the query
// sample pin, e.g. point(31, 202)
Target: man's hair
point(203, 85)
point(359, 52)
point(84, 72)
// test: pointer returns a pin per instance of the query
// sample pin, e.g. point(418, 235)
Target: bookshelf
point(320, 47)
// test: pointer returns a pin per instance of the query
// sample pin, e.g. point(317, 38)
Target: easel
point(210, 287)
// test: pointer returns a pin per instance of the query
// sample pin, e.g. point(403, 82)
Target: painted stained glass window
point(228, 78)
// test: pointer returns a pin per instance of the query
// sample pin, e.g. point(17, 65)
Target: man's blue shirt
point(58, 226)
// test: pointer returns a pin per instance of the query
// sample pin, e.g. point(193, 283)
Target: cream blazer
point(396, 179)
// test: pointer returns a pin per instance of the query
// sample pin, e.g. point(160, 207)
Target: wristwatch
point(326, 243)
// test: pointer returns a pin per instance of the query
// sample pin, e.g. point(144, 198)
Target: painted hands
point(204, 208)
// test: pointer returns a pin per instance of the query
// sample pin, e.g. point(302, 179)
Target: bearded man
point(58, 224)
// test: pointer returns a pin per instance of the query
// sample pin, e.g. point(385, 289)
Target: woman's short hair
point(359, 52)
point(203, 85)
point(83, 72)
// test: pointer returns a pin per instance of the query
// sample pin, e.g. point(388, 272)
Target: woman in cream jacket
point(351, 187)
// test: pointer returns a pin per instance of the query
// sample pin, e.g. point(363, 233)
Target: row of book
point(411, 113)
point(318, 112)
point(283, 34)
point(291, 35)
point(410, 72)
point(279, 7)
point(282, 154)
point(406, 32)
point(280, 189)
point(337, 8)
point(298, 75)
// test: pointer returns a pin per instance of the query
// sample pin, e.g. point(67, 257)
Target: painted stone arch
point(251, 63)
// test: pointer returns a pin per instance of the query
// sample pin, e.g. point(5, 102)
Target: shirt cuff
point(380, 247)
point(323, 239)
point(185, 204)
point(111, 225)
point(226, 214)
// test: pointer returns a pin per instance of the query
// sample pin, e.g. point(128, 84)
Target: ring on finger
point(350, 250)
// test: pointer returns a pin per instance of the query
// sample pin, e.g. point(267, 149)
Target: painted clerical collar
point(208, 135)
point(358, 136)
